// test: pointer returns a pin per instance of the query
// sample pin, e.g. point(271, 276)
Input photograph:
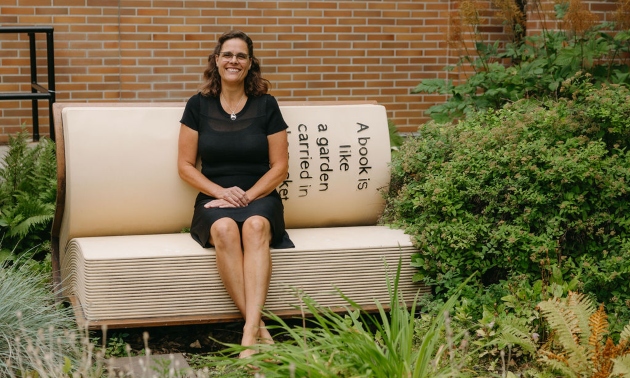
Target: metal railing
point(38, 92)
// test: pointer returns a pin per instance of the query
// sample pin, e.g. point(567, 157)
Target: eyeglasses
point(228, 55)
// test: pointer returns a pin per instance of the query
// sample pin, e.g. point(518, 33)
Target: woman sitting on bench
point(239, 133)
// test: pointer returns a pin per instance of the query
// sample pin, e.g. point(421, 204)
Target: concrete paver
point(152, 366)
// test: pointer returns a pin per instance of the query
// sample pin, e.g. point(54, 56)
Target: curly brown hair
point(255, 84)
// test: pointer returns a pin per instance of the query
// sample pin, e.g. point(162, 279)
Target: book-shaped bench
point(122, 257)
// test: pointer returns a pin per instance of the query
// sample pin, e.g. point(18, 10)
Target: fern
point(583, 308)
point(622, 366)
point(27, 195)
point(22, 228)
point(565, 323)
point(598, 323)
point(578, 346)
point(625, 334)
point(517, 333)
point(559, 364)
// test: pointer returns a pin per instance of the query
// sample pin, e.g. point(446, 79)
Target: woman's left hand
point(218, 203)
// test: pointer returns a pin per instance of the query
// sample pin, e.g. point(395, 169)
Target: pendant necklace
point(233, 115)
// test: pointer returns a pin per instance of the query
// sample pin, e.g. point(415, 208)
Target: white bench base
point(141, 277)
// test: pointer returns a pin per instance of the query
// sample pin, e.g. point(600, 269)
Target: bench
point(121, 253)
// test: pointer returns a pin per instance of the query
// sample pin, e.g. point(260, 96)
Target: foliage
point(579, 346)
point(27, 197)
point(33, 329)
point(495, 342)
point(114, 346)
point(533, 66)
point(538, 190)
point(395, 139)
point(354, 344)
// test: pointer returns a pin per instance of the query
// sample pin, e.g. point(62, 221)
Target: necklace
point(233, 115)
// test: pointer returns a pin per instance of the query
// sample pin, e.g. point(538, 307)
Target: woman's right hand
point(234, 196)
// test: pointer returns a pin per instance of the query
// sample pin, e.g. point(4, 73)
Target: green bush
point(537, 189)
point(28, 188)
point(535, 66)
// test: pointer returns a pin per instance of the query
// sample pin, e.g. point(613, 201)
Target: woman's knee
point(224, 230)
point(256, 225)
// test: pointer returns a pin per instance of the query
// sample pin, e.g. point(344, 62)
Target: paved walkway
point(154, 366)
point(3, 150)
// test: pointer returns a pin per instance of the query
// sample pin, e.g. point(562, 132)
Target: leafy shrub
point(395, 139)
point(537, 188)
point(533, 66)
point(28, 188)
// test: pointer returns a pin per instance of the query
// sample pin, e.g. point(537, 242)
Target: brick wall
point(156, 50)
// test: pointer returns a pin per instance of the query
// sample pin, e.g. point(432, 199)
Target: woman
point(239, 133)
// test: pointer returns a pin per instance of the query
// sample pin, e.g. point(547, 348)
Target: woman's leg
point(226, 238)
point(231, 264)
point(256, 236)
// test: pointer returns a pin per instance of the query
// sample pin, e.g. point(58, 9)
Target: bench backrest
point(118, 171)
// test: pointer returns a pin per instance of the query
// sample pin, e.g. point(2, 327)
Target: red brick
point(168, 4)
point(323, 21)
point(382, 5)
point(352, 4)
point(277, 13)
point(8, 19)
point(51, 11)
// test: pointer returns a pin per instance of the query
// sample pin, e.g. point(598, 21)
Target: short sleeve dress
point(236, 153)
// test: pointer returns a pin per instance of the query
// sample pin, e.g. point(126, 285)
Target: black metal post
point(35, 105)
point(37, 91)
point(50, 48)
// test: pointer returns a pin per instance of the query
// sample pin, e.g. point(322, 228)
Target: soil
point(192, 339)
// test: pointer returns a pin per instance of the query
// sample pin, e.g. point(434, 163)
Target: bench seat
point(143, 276)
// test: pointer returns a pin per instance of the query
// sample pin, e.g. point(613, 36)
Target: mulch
point(191, 339)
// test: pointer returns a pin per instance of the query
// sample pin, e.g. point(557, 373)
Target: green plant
point(114, 346)
point(27, 197)
point(531, 67)
point(537, 189)
point(355, 344)
point(35, 333)
point(578, 347)
point(395, 139)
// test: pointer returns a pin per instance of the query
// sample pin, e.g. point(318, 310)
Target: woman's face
point(233, 61)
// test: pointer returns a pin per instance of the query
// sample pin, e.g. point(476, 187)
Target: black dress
point(236, 153)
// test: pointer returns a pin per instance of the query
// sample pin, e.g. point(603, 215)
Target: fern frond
point(621, 366)
point(566, 326)
point(625, 334)
point(558, 363)
point(563, 321)
point(598, 323)
point(516, 336)
point(583, 308)
point(602, 362)
point(22, 229)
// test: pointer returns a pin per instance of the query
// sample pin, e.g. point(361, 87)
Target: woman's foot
point(249, 340)
point(264, 335)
